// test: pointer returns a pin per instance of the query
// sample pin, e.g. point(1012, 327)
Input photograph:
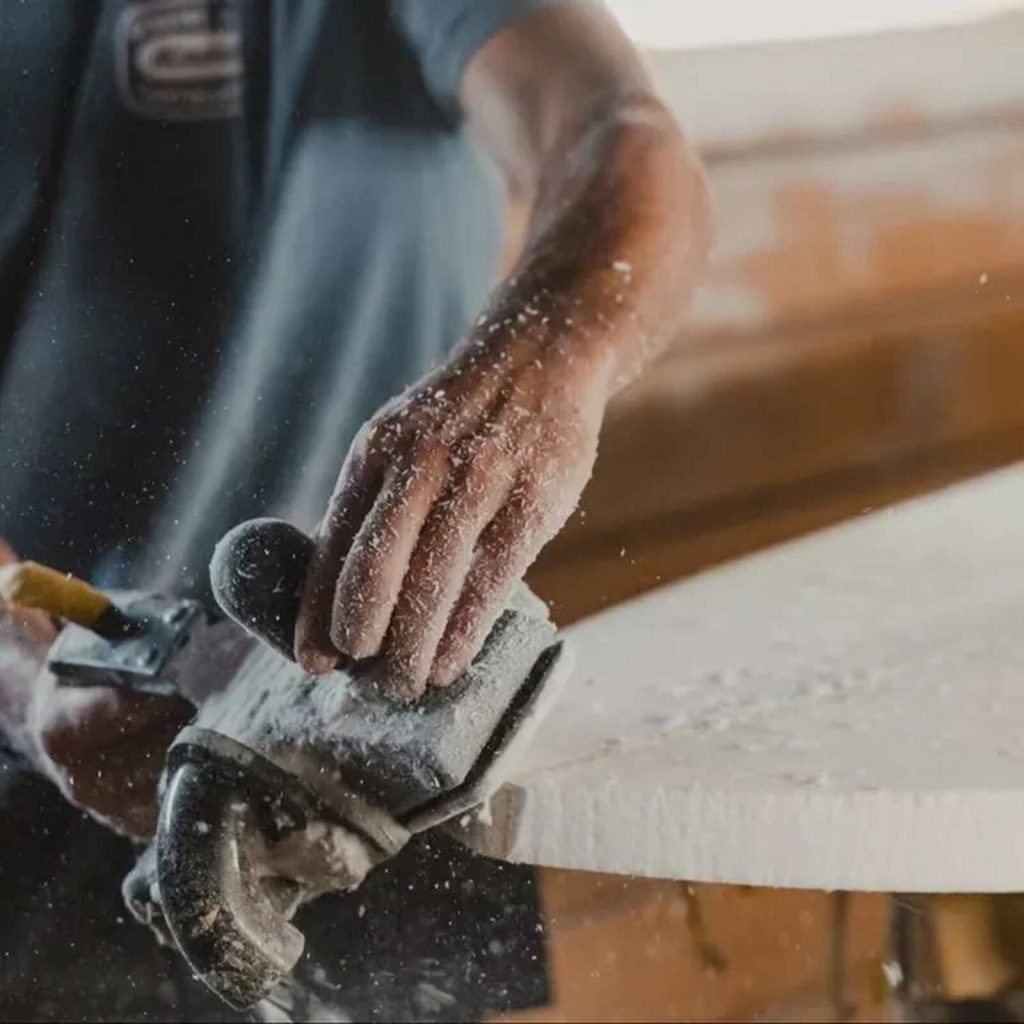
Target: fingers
point(507, 546)
point(377, 562)
point(353, 498)
point(416, 559)
point(437, 571)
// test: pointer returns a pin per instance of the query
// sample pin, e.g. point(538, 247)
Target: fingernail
point(395, 683)
point(315, 662)
point(357, 646)
point(444, 675)
point(360, 650)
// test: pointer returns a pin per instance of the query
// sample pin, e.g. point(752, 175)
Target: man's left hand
point(445, 499)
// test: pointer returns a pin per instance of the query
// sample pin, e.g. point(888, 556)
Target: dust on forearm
point(619, 230)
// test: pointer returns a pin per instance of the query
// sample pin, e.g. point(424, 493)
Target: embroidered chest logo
point(181, 60)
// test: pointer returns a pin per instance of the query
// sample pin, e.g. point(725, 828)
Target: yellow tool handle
point(31, 585)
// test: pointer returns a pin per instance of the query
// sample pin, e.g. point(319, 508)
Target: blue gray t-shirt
point(229, 230)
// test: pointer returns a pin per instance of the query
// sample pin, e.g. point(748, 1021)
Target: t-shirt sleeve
point(446, 33)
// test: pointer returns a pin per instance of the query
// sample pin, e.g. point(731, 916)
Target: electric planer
point(285, 785)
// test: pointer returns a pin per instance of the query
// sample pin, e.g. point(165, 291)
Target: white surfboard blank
point(845, 711)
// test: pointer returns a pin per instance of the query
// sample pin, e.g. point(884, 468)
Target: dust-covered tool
point(287, 785)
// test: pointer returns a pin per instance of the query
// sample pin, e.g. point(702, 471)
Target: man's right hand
point(104, 748)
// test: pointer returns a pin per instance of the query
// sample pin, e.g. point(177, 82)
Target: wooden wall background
point(859, 338)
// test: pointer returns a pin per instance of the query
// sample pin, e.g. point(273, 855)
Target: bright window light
point(676, 24)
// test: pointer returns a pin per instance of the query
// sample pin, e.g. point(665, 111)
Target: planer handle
point(257, 573)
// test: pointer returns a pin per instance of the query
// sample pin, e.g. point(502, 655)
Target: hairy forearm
point(620, 218)
point(619, 229)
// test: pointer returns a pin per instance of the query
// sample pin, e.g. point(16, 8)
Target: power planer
point(286, 786)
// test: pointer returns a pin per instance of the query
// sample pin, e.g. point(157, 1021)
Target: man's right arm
point(103, 748)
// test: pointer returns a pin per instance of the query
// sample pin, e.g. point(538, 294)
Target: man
point(230, 230)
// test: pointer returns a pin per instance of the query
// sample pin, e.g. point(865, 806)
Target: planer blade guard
point(287, 786)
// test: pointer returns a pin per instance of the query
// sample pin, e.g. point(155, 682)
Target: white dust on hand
point(489, 454)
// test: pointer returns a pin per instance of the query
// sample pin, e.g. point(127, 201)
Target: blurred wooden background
point(859, 339)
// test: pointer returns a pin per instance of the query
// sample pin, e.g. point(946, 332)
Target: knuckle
point(366, 439)
point(532, 506)
point(428, 447)
point(428, 460)
point(378, 437)
point(473, 450)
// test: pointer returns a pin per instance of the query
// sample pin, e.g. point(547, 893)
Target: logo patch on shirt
point(181, 60)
